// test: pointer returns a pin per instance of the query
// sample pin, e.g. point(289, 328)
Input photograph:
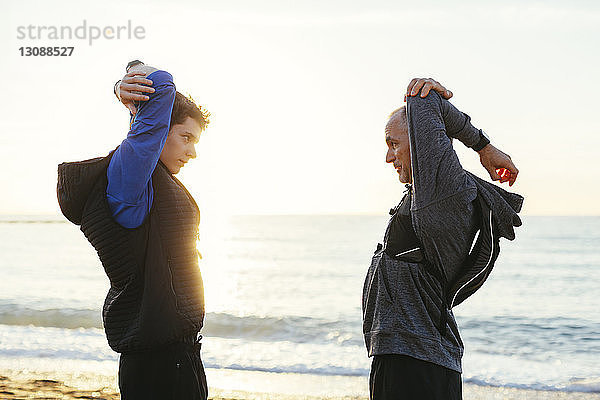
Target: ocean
point(283, 295)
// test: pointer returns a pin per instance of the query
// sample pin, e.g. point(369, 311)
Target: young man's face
point(396, 137)
point(180, 145)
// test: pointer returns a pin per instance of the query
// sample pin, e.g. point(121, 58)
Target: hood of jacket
point(75, 182)
point(505, 206)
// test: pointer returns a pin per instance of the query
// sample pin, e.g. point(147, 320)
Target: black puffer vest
point(156, 295)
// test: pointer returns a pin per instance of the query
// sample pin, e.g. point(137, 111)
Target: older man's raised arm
point(497, 163)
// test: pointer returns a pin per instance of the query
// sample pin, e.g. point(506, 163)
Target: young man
point(428, 262)
point(144, 225)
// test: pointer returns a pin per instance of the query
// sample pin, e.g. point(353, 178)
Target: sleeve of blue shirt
point(129, 191)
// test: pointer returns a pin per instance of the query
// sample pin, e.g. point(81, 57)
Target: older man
point(428, 262)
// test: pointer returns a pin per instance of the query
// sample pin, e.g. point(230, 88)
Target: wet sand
point(30, 386)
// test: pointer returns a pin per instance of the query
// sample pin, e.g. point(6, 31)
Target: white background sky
point(300, 91)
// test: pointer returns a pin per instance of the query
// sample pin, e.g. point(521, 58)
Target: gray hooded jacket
point(407, 300)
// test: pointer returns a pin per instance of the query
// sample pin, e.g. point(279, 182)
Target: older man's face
point(396, 137)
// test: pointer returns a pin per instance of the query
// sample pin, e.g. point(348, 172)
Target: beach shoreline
point(37, 385)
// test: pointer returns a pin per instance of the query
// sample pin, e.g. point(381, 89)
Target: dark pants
point(171, 372)
point(396, 377)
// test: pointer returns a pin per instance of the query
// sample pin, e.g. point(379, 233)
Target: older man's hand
point(425, 85)
point(498, 164)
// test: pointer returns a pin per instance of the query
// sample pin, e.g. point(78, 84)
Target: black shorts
point(396, 377)
point(171, 372)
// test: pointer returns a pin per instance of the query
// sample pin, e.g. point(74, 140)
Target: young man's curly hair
point(184, 107)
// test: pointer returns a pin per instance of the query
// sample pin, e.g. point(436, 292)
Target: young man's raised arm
point(129, 191)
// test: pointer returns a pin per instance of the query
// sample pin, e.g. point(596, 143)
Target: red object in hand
point(504, 174)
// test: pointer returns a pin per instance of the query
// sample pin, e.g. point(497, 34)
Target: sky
point(300, 92)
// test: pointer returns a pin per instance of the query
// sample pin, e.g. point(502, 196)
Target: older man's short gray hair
point(399, 113)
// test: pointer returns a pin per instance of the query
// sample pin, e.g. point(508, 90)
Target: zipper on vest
point(171, 283)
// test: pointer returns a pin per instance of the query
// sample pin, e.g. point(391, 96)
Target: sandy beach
point(24, 385)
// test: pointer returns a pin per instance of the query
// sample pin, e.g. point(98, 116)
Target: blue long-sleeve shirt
point(129, 191)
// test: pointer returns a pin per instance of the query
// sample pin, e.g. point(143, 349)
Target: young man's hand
point(425, 85)
point(132, 87)
point(498, 164)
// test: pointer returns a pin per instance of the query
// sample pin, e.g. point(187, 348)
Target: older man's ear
point(425, 85)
